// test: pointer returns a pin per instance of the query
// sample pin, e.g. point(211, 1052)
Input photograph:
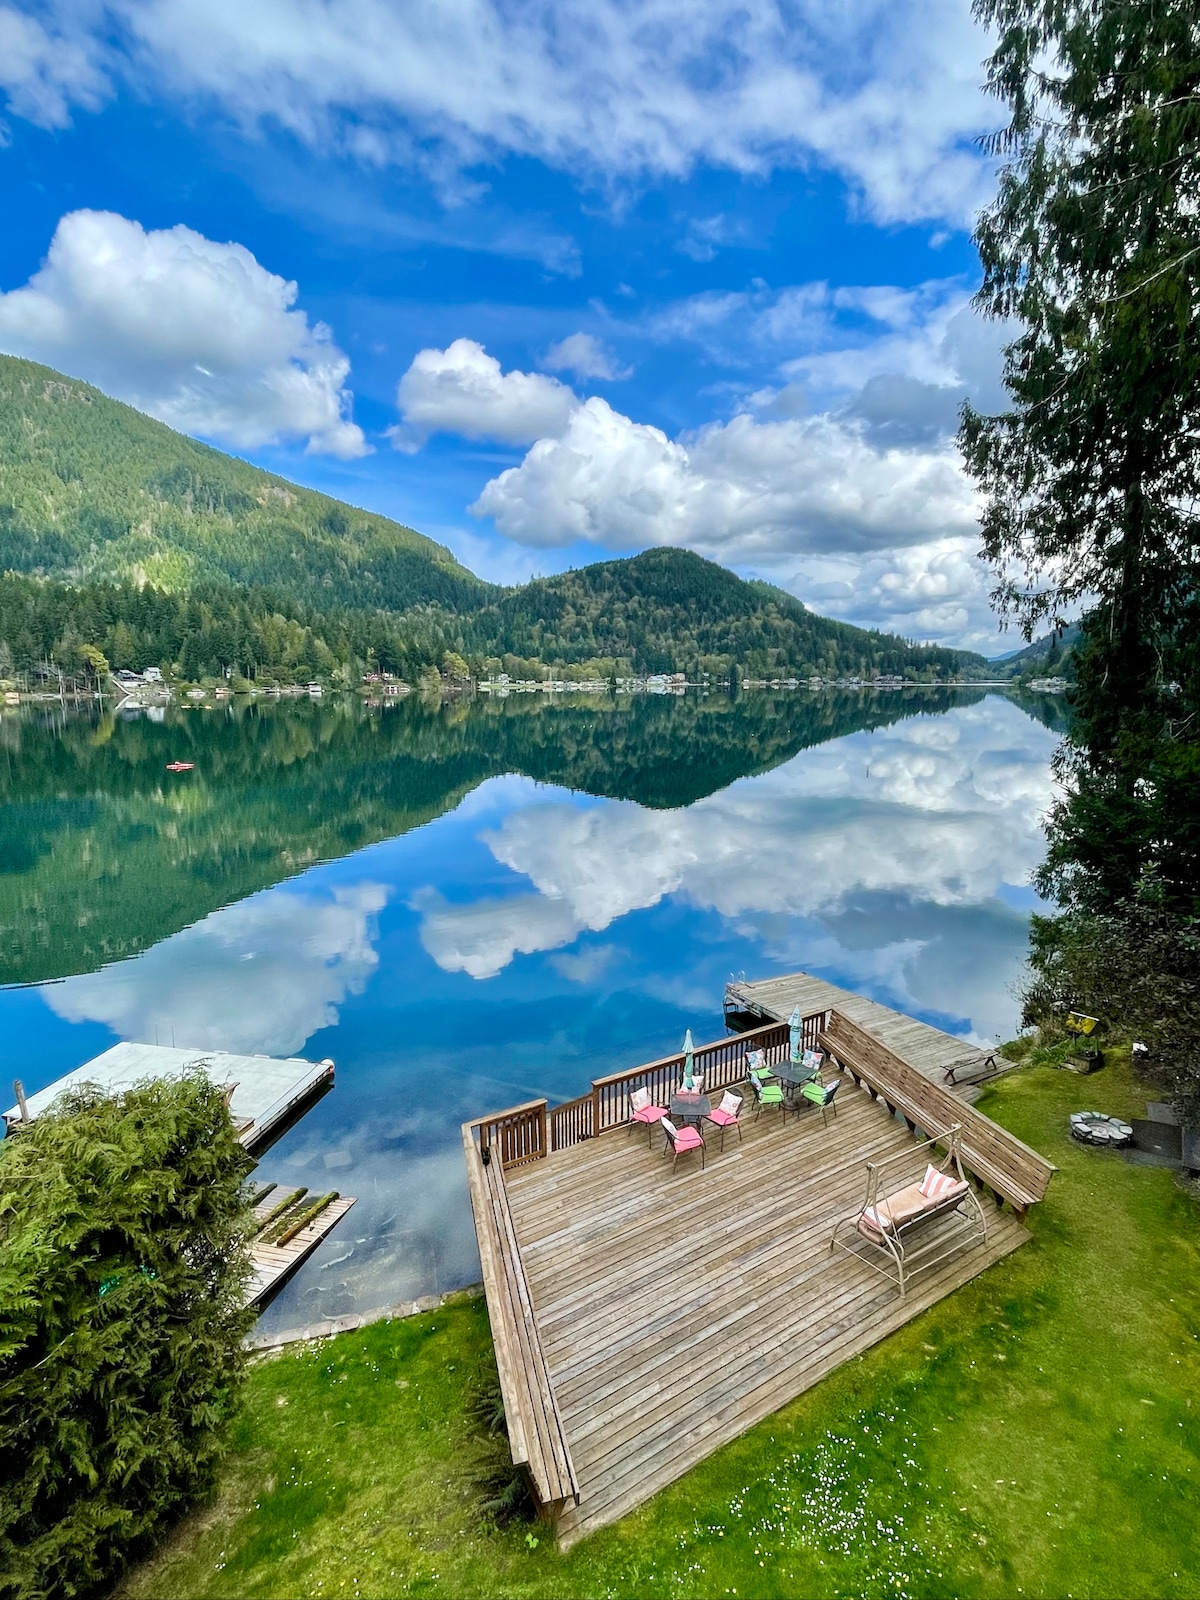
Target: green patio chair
point(767, 1094)
point(821, 1094)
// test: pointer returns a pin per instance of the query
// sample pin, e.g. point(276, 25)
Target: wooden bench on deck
point(535, 1428)
point(994, 1157)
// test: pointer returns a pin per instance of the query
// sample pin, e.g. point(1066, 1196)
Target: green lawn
point(1035, 1434)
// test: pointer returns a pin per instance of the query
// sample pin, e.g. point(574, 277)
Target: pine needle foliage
point(122, 1264)
point(1091, 480)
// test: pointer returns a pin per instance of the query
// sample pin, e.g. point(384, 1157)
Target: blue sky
point(548, 282)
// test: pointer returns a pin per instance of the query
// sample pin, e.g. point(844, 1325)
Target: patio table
point(690, 1107)
point(793, 1074)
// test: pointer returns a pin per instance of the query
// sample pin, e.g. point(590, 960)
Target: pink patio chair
point(726, 1115)
point(681, 1140)
point(697, 1085)
point(645, 1113)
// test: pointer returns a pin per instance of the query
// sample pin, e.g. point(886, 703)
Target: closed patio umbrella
point(794, 1033)
point(688, 1047)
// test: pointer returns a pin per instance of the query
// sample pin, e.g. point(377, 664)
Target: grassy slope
point(89, 486)
point(1033, 1435)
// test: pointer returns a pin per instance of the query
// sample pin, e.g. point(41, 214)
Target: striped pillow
point(936, 1185)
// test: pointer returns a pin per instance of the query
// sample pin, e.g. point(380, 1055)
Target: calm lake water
point(479, 904)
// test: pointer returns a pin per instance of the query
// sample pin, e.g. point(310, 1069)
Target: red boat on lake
point(180, 766)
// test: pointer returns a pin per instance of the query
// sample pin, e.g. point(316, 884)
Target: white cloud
point(832, 340)
point(462, 390)
point(481, 939)
point(933, 591)
point(704, 235)
point(43, 73)
point(860, 506)
point(941, 813)
point(744, 490)
point(888, 95)
point(585, 356)
point(195, 332)
point(300, 955)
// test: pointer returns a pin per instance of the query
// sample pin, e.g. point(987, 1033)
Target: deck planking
point(930, 1050)
point(272, 1263)
point(675, 1311)
point(265, 1091)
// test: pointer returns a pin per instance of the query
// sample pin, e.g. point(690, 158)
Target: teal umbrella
point(794, 1033)
point(688, 1047)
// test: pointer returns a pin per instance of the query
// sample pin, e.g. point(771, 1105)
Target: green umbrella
point(688, 1047)
point(794, 1033)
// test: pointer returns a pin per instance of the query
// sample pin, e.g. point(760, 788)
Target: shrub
point(1138, 968)
point(123, 1258)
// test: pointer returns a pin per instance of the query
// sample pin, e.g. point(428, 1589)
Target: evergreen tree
point(1091, 479)
point(122, 1265)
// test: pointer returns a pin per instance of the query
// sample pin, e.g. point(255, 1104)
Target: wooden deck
point(675, 1311)
point(928, 1049)
point(265, 1092)
point(274, 1263)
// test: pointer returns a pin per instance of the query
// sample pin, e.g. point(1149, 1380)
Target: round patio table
point(793, 1074)
point(690, 1107)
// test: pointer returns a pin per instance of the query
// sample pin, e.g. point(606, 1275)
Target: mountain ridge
point(95, 493)
point(92, 488)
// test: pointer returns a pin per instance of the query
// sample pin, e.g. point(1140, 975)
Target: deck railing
point(518, 1134)
point(531, 1131)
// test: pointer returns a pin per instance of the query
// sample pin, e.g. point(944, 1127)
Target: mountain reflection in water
point(476, 904)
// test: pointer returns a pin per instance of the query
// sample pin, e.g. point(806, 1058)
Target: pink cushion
point(722, 1118)
point(688, 1139)
point(649, 1114)
point(935, 1184)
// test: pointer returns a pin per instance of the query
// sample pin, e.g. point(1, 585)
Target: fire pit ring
point(1095, 1128)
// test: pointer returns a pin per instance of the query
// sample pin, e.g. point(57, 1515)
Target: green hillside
point(108, 508)
point(92, 488)
point(1053, 655)
point(668, 610)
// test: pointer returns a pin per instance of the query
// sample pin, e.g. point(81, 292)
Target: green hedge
point(122, 1262)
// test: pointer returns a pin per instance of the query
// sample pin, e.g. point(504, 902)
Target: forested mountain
point(91, 488)
point(157, 550)
point(668, 610)
point(1052, 655)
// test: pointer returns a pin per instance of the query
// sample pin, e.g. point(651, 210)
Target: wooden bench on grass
point(535, 1428)
point(995, 1158)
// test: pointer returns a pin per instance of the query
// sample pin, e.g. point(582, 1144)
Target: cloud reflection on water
point(890, 861)
point(258, 978)
point(888, 839)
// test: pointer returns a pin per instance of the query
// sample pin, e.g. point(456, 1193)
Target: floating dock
point(274, 1262)
point(936, 1055)
point(263, 1091)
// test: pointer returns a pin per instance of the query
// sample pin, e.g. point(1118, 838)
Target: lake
point(478, 903)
